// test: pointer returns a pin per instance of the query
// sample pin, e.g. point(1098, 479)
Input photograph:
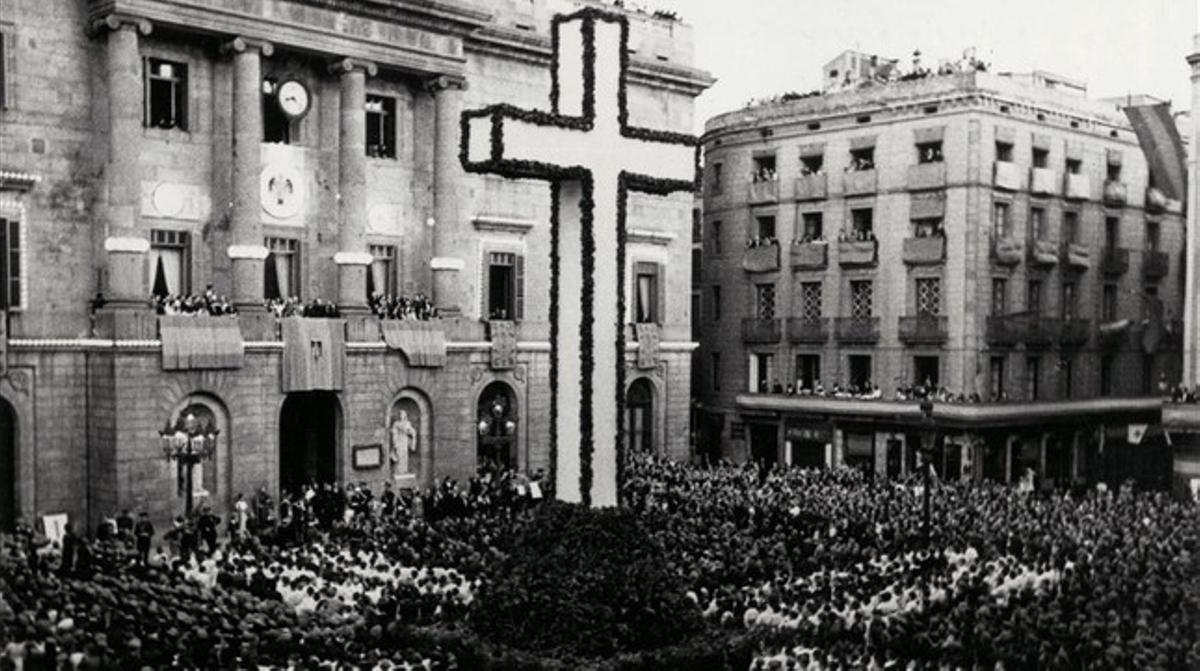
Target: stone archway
point(497, 421)
point(309, 439)
point(640, 417)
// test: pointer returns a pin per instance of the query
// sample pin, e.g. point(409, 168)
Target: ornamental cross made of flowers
point(593, 158)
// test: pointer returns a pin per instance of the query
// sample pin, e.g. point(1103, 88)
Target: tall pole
point(1191, 293)
point(188, 463)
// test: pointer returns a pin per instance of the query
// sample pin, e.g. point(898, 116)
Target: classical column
point(352, 258)
point(247, 251)
point(1191, 291)
point(449, 289)
point(125, 242)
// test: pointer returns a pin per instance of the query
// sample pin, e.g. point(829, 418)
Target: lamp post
point(187, 443)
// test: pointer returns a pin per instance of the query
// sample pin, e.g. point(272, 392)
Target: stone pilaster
point(449, 289)
point(352, 258)
point(247, 251)
point(1191, 289)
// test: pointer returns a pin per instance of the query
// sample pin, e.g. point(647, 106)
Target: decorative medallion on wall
point(281, 191)
point(168, 200)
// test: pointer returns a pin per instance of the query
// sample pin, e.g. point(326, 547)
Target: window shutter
point(660, 301)
point(484, 255)
point(519, 288)
point(4, 302)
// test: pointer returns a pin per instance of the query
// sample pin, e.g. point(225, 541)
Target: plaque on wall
point(368, 456)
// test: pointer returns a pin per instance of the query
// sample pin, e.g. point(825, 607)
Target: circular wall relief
point(168, 200)
point(281, 191)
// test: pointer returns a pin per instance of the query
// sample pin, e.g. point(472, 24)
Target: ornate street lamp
point(187, 443)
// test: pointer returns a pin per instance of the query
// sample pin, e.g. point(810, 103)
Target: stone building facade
point(996, 235)
point(293, 147)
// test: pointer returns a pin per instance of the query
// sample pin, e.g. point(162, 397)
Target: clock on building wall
point(293, 99)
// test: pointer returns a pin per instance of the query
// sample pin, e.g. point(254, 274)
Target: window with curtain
point(382, 276)
point(281, 270)
point(646, 285)
point(505, 286)
point(169, 262)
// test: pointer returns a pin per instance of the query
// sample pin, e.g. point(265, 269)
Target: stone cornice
point(498, 224)
point(148, 346)
point(341, 66)
point(13, 180)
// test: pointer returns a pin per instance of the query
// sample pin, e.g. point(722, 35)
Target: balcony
point(1007, 251)
point(761, 259)
point(1044, 181)
point(1115, 334)
point(1156, 201)
point(1038, 331)
point(1115, 194)
point(1075, 332)
point(1044, 253)
point(857, 252)
point(926, 251)
point(810, 255)
point(763, 191)
point(924, 176)
point(1005, 176)
point(924, 330)
point(808, 331)
point(812, 187)
point(1002, 332)
point(1114, 261)
point(1077, 256)
point(858, 330)
point(859, 182)
point(1155, 265)
point(757, 331)
point(1079, 186)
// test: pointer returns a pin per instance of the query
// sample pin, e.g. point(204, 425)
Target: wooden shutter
point(660, 300)
point(4, 295)
point(518, 287)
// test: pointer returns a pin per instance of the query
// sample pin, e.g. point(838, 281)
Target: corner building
point(295, 148)
point(996, 235)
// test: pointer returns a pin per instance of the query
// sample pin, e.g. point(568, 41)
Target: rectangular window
point(1041, 157)
point(1074, 166)
point(381, 126)
point(1071, 226)
point(862, 221)
point(860, 370)
point(716, 303)
point(812, 165)
point(1109, 306)
point(381, 276)
point(1112, 232)
point(1037, 222)
point(1150, 294)
point(764, 300)
point(927, 228)
point(714, 238)
point(926, 371)
point(1033, 297)
point(697, 228)
point(277, 126)
point(10, 263)
point(862, 159)
point(996, 377)
point(810, 301)
point(762, 372)
point(166, 94)
point(646, 307)
point(929, 152)
point(1068, 300)
point(170, 263)
point(764, 169)
point(716, 371)
point(1113, 172)
point(999, 296)
point(1068, 375)
point(1153, 236)
point(506, 290)
point(1106, 373)
point(929, 296)
point(1004, 152)
point(1033, 372)
point(861, 297)
point(765, 227)
point(1001, 223)
point(814, 226)
point(808, 371)
point(281, 269)
point(716, 182)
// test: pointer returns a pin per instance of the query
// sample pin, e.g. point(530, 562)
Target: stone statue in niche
point(404, 442)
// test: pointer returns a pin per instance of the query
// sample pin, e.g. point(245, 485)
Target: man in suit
point(143, 533)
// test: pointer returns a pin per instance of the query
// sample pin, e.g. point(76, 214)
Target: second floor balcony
point(858, 330)
point(1039, 331)
point(1044, 252)
point(924, 330)
point(1044, 181)
point(1114, 261)
point(812, 331)
point(859, 182)
point(1075, 332)
point(761, 331)
point(1002, 331)
point(812, 187)
point(761, 258)
point(929, 250)
point(1007, 251)
point(763, 191)
point(809, 255)
point(923, 176)
point(1115, 194)
point(1006, 176)
point(1155, 265)
point(858, 252)
point(1156, 201)
point(1077, 256)
point(1079, 186)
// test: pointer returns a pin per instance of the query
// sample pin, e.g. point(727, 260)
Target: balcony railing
point(1114, 261)
point(1079, 186)
point(924, 330)
point(1075, 332)
point(1007, 251)
point(1077, 256)
point(1044, 252)
point(1002, 331)
point(1006, 176)
point(810, 331)
point(857, 252)
point(864, 330)
point(810, 255)
point(924, 176)
point(858, 182)
point(761, 259)
point(1038, 331)
point(764, 191)
point(1115, 193)
point(812, 187)
point(1044, 181)
point(1155, 265)
point(930, 250)
point(761, 331)
point(1156, 201)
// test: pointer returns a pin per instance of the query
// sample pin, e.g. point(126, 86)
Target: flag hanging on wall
point(1162, 146)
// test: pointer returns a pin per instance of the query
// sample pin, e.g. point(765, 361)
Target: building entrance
point(309, 428)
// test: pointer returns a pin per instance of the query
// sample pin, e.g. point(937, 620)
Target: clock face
point(293, 98)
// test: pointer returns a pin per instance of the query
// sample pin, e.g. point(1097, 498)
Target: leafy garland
point(556, 174)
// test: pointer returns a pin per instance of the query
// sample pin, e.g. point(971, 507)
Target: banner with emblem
point(314, 354)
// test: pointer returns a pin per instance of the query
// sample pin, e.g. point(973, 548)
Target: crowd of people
point(1182, 393)
point(762, 241)
point(208, 303)
point(292, 306)
point(868, 391)
point(418, 306)
point(830, 569)
point(764, 173)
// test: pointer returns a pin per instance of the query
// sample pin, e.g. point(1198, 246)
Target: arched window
point(497, 427)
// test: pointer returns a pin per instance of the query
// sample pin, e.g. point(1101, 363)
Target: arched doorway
point(309, 427)
point(497, 419)
point(8, 467)
point(639, 416)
